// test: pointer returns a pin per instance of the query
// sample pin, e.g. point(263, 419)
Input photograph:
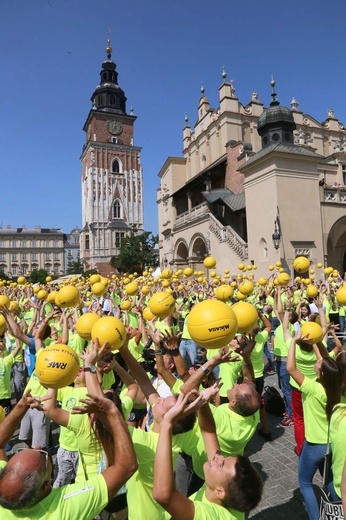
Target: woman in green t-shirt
point(319, 397)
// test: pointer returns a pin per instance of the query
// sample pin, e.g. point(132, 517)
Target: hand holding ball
point(109, 329)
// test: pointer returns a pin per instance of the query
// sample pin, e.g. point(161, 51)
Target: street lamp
point(165, 261)
point(276, 235)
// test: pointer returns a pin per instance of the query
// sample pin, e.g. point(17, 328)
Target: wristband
point(205, 370)
point(158, 352)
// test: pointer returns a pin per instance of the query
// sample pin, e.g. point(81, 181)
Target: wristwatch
point(205, 370)
point(90, 368)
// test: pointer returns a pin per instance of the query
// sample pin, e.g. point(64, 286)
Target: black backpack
point(273, 401)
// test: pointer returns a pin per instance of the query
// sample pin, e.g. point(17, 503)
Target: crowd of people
point(158, 429)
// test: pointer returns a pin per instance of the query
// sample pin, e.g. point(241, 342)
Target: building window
point(14, 243)
point(34, 256)
point(24, 256)
point(100, 100)
point(47, 256)
point(23, 243)
point(119, 238)
point(117, 209)
point(14, 270)
point(47, 243)
point(34, 243)
point(56, 256)
point(112, 99)
point(2, 256)
point(116, 166)
point(2, 243)
point(14, 257)
point(56, 243)
point(87, 242)
point(24, 269)
point(114, 140)
point(56, 269)
point(343, 180)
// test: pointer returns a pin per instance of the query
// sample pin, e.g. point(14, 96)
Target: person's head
point(80, 377)
point(26, 479)
point(293, 317)
point(244, 399)
point(328, 374)
point(234, 481)
point(305, 310)
point(161, 407)
point(46, 332)
point(104, 363)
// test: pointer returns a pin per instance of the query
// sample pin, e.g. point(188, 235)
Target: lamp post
point(276, 235)
point(165, 261)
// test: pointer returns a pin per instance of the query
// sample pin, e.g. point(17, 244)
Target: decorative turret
point(276, 124)
point(108, 96)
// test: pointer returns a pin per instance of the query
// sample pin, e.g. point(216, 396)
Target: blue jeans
point(268, 355)
point(284, 384)
point(188, 351)
point(311, 459)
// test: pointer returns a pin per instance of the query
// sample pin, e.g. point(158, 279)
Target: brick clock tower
point(112, 200)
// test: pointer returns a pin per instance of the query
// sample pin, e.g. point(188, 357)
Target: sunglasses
point(46, 456)
point(45, 453)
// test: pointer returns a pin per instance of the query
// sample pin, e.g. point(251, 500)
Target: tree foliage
point(38, 276)
point(137, 252)
point(75, 267)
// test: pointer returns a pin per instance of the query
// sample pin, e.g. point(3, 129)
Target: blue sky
point(51, 54)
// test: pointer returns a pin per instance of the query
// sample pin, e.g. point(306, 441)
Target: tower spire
point(274, 102)
point(109, 48)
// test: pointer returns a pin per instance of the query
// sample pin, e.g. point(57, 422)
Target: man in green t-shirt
point(232, 484)
point(25, 481)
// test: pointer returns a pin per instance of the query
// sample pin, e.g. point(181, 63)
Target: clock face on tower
point(114, 127)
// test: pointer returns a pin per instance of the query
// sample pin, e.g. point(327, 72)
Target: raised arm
point(139, 374)
point(52, 411)
point(14, 326)
point(291, 363)
point(164, 491)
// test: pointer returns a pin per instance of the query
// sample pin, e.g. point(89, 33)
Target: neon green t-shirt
point(36, 388)
point(280, 345)
point(77, 343)
point(75, 501)
point(69, 398)
point(314, 401)
point(108, 380)
point(136, 350)
point(89, 447)
point(305, 362)
point(229, 373)
point(233, 432)
point(5, 376)
point(206, 510)
point(257, 354)
point(338, 445)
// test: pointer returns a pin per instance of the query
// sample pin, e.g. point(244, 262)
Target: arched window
point(100, 100)
point(112, 100)
point(117, 209)
point(115, 166)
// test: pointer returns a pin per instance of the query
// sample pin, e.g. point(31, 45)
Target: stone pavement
point(278, 465)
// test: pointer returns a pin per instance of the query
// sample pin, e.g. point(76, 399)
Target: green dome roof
point(275, 114)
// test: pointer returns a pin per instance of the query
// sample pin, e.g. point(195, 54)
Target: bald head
point(23, 480)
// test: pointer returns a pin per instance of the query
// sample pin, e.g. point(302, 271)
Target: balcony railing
point(337, 195)
point(194, 213)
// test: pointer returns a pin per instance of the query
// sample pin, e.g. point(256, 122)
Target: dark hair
point(331, 381)
point(244, 490)
point(185, 424)
point(107, 358)
point(341, 362)
point(47, 332)
point(306, 306)
point(103, 435)
point(29, 493)
point(248, 403)
point(293, 317)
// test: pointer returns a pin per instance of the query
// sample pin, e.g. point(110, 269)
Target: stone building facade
point(246, 172)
